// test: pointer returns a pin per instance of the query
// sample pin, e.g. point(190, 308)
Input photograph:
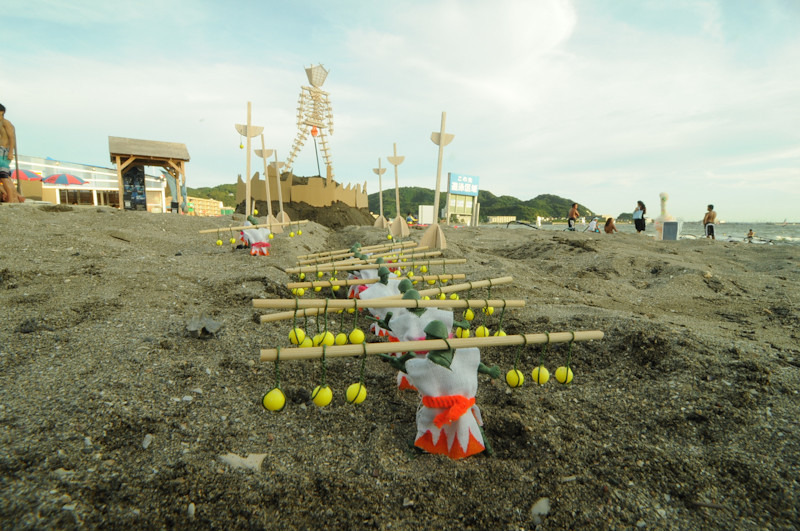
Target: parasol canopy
point(63, 178)
point(25, 175)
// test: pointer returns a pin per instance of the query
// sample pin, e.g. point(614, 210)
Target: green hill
point(223, 192)
point(545, 205)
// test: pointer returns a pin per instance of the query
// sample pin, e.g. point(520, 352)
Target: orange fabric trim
point(454, 405)
point(456, 452)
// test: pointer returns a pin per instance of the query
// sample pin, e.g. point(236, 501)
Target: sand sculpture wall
point(317, 192)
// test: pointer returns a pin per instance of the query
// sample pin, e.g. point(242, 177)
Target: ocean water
point(775, 233)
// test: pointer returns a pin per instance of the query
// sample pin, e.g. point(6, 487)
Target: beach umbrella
point(25, 175)
point(63, 178)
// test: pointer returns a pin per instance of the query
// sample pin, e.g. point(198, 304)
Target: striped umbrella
point(64, 178)
point(25, 175)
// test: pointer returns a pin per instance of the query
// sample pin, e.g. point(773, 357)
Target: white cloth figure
point(362, 274)
point(257, 239)
point(405, 325)
point(448, 421)
point(377, 291)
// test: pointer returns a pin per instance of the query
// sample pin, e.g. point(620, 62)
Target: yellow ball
point(341, 339)
point(219, 242)
point(515, 378)
point(388, 236)
point(482, 331)
point(469, 315)
point(306, 343)
point(298, 292)
point(271, 236)
point(489, 310)
point(233, 240)
point(442, 296)
point(462, 332)
point(356, 393)
point(296, 336)
point(274, 400)
point(454, 296)
point(540, 375)
point(564, 375)
point(499, 333)
point(327, 339)
point(351, 310)
point(356, 336)
point(299, 233)
point(302, 276)
point(444, 281)
point(320, 274)
point(255, 212)
point(423, 269)
point(336, 288)
point(410, 274)
point(426, 298)
point(318, 288)
point(431, 282)
point(291, 234)
point(322, 396)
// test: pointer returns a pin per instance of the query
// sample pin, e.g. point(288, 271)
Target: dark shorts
point(710, 230)
point(639, 224)
point(571, 223)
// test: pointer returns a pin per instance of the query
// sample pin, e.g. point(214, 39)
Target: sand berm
point(113, 416)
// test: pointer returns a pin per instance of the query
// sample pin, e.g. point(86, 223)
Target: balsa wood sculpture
point(434, 237)
point(248, 131)
point(399, 226)
point(265, 153)
point(381, 221)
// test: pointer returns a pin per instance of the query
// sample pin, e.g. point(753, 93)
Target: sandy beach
point(112, 415)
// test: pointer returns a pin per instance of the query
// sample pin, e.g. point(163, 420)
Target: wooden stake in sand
point(381, 221)
point(265, 153)
point(434, 237)
point(283, 217)
point(356, 267)
point(399, 226)
point(374, 256)
point(427, 345)
point(248, 131)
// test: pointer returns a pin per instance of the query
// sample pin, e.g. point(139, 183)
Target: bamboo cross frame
point(335, 304)
point(336, 259)
point(355, 267)
point(393, 260)
point(363, 249)
point(308, 312)
point(426, 345)
point(245, 227)
point(363, 281)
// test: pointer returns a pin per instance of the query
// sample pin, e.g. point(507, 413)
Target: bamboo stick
point(355, 267)
point(335, 304)
point(363, 281)
point(427, 345)
point(363, 249)
point(308, 312)
point(339, 259)
point(244, 227)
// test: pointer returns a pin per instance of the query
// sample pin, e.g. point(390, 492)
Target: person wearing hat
point(593, 226)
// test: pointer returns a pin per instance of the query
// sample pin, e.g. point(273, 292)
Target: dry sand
point(683, 417)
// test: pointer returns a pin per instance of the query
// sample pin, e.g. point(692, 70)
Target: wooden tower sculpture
point(399, 225)
point(315, 116)
point(434, 237)
point(381, 222)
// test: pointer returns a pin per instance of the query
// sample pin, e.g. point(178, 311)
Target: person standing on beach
point(708, 222)
point(573, 216)
point(8, 146)
point(638, 216)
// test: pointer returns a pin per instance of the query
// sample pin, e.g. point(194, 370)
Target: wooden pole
point(434, 237)
point(364, 249)
point(259, 226)
point(364, 281)
point(282, 216)
point(427, 345)
point(335, 304)
point(308, 312)
point(328, 267)
point(247, 185)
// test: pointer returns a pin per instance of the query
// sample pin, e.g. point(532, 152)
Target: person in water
point(610, 227)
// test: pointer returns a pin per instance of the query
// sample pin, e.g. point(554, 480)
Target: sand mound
point(113, 415)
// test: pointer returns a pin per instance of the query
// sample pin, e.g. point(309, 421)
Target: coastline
point(689, 402)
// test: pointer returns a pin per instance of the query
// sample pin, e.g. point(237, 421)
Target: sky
point(604, 102)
